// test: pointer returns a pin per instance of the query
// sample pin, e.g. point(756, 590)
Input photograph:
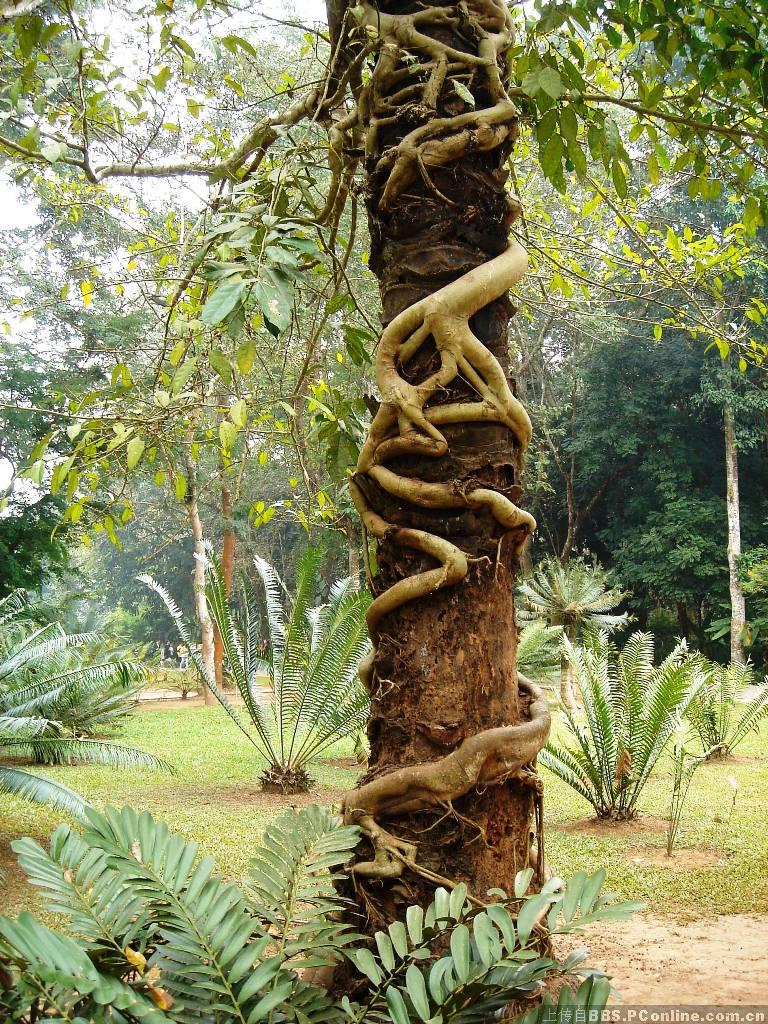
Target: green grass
point(214, 798)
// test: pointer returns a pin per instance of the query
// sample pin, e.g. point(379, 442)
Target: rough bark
point(738, 605)
point(201, 605)
point(353, 547)
point(451, 788)
point(227, 567)
point(567, 695)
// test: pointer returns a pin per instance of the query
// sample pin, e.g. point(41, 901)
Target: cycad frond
point(538, 649)
point(65, 749)
point(176, 614)
point(312, 664)
point(240, 652)
point(52, 684)
point(292, 877)
point(573, 594)
point(714, 710)
point(754, 712)
point(41, 791)
point(80, 884)
point(632, 708)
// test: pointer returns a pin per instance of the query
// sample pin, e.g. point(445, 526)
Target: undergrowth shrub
point(155, 935)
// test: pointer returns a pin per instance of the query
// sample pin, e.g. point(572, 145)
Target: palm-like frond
point(50, 683)
point(573, 594)
point(538, 649)
point(291, 880)
point(67, 749)
point(312, 664)
point(148, 919)
point(38, 790)
point(175, 612)
point(632, 709)
point(80, 884)
point(134, 893)
point(714, 710)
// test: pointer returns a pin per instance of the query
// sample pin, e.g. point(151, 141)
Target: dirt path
point(652, 960)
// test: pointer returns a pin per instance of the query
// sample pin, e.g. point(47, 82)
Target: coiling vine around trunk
point(414, 67)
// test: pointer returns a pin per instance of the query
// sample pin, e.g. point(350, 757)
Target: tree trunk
point(450, 792)
point(567, 695)
point(201, 606)
point(227, 565)
point(353, 548)
point(738, 606)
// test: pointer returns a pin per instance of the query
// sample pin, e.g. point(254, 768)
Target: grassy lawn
point(214, 798)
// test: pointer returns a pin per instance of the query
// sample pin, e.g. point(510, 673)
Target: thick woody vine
point(419, 57)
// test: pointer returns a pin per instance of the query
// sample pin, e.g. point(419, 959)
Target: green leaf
point(134, 451)
point(619, 179)
point(461, 90)
point(417, 992)
point(218, 362)
point(569, 124)
point(238, 413)
point(654, 173)
point(386, 950)
point(414, 919)
point(54, 151)
point(543, 79)
point(367, 965)
point(234, 43)
point(551, 83)
point(246, 356)
point(162, 78)
point(551, 156)
point(180, 486)
point(223, 301)
point(227, 435)
point(182, 375)
point(529, 912)
point(274, 294)
point(396, 1005)
point(460, 951)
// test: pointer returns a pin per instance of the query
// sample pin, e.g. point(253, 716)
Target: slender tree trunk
point(353, 547)
point(738, 606)
point(439, 499)
point(570, 536)
point(567, 695)
point(227, 566)
point(201, 606)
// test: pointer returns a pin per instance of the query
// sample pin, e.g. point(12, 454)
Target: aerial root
point(487, 758)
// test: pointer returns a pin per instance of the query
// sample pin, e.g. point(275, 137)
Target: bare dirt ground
point(595, 827)
point(684, 859)
point(654, 961)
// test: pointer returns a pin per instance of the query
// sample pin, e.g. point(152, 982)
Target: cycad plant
point(310, 663)
point(719, 718)
point(632, 708)
point(153, 934)
point(41, 668)
point(538, 650)
point(573, 596)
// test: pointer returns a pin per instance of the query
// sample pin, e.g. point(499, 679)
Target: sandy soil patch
point(683, 859)
point(652, 960)
point(608, 829)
